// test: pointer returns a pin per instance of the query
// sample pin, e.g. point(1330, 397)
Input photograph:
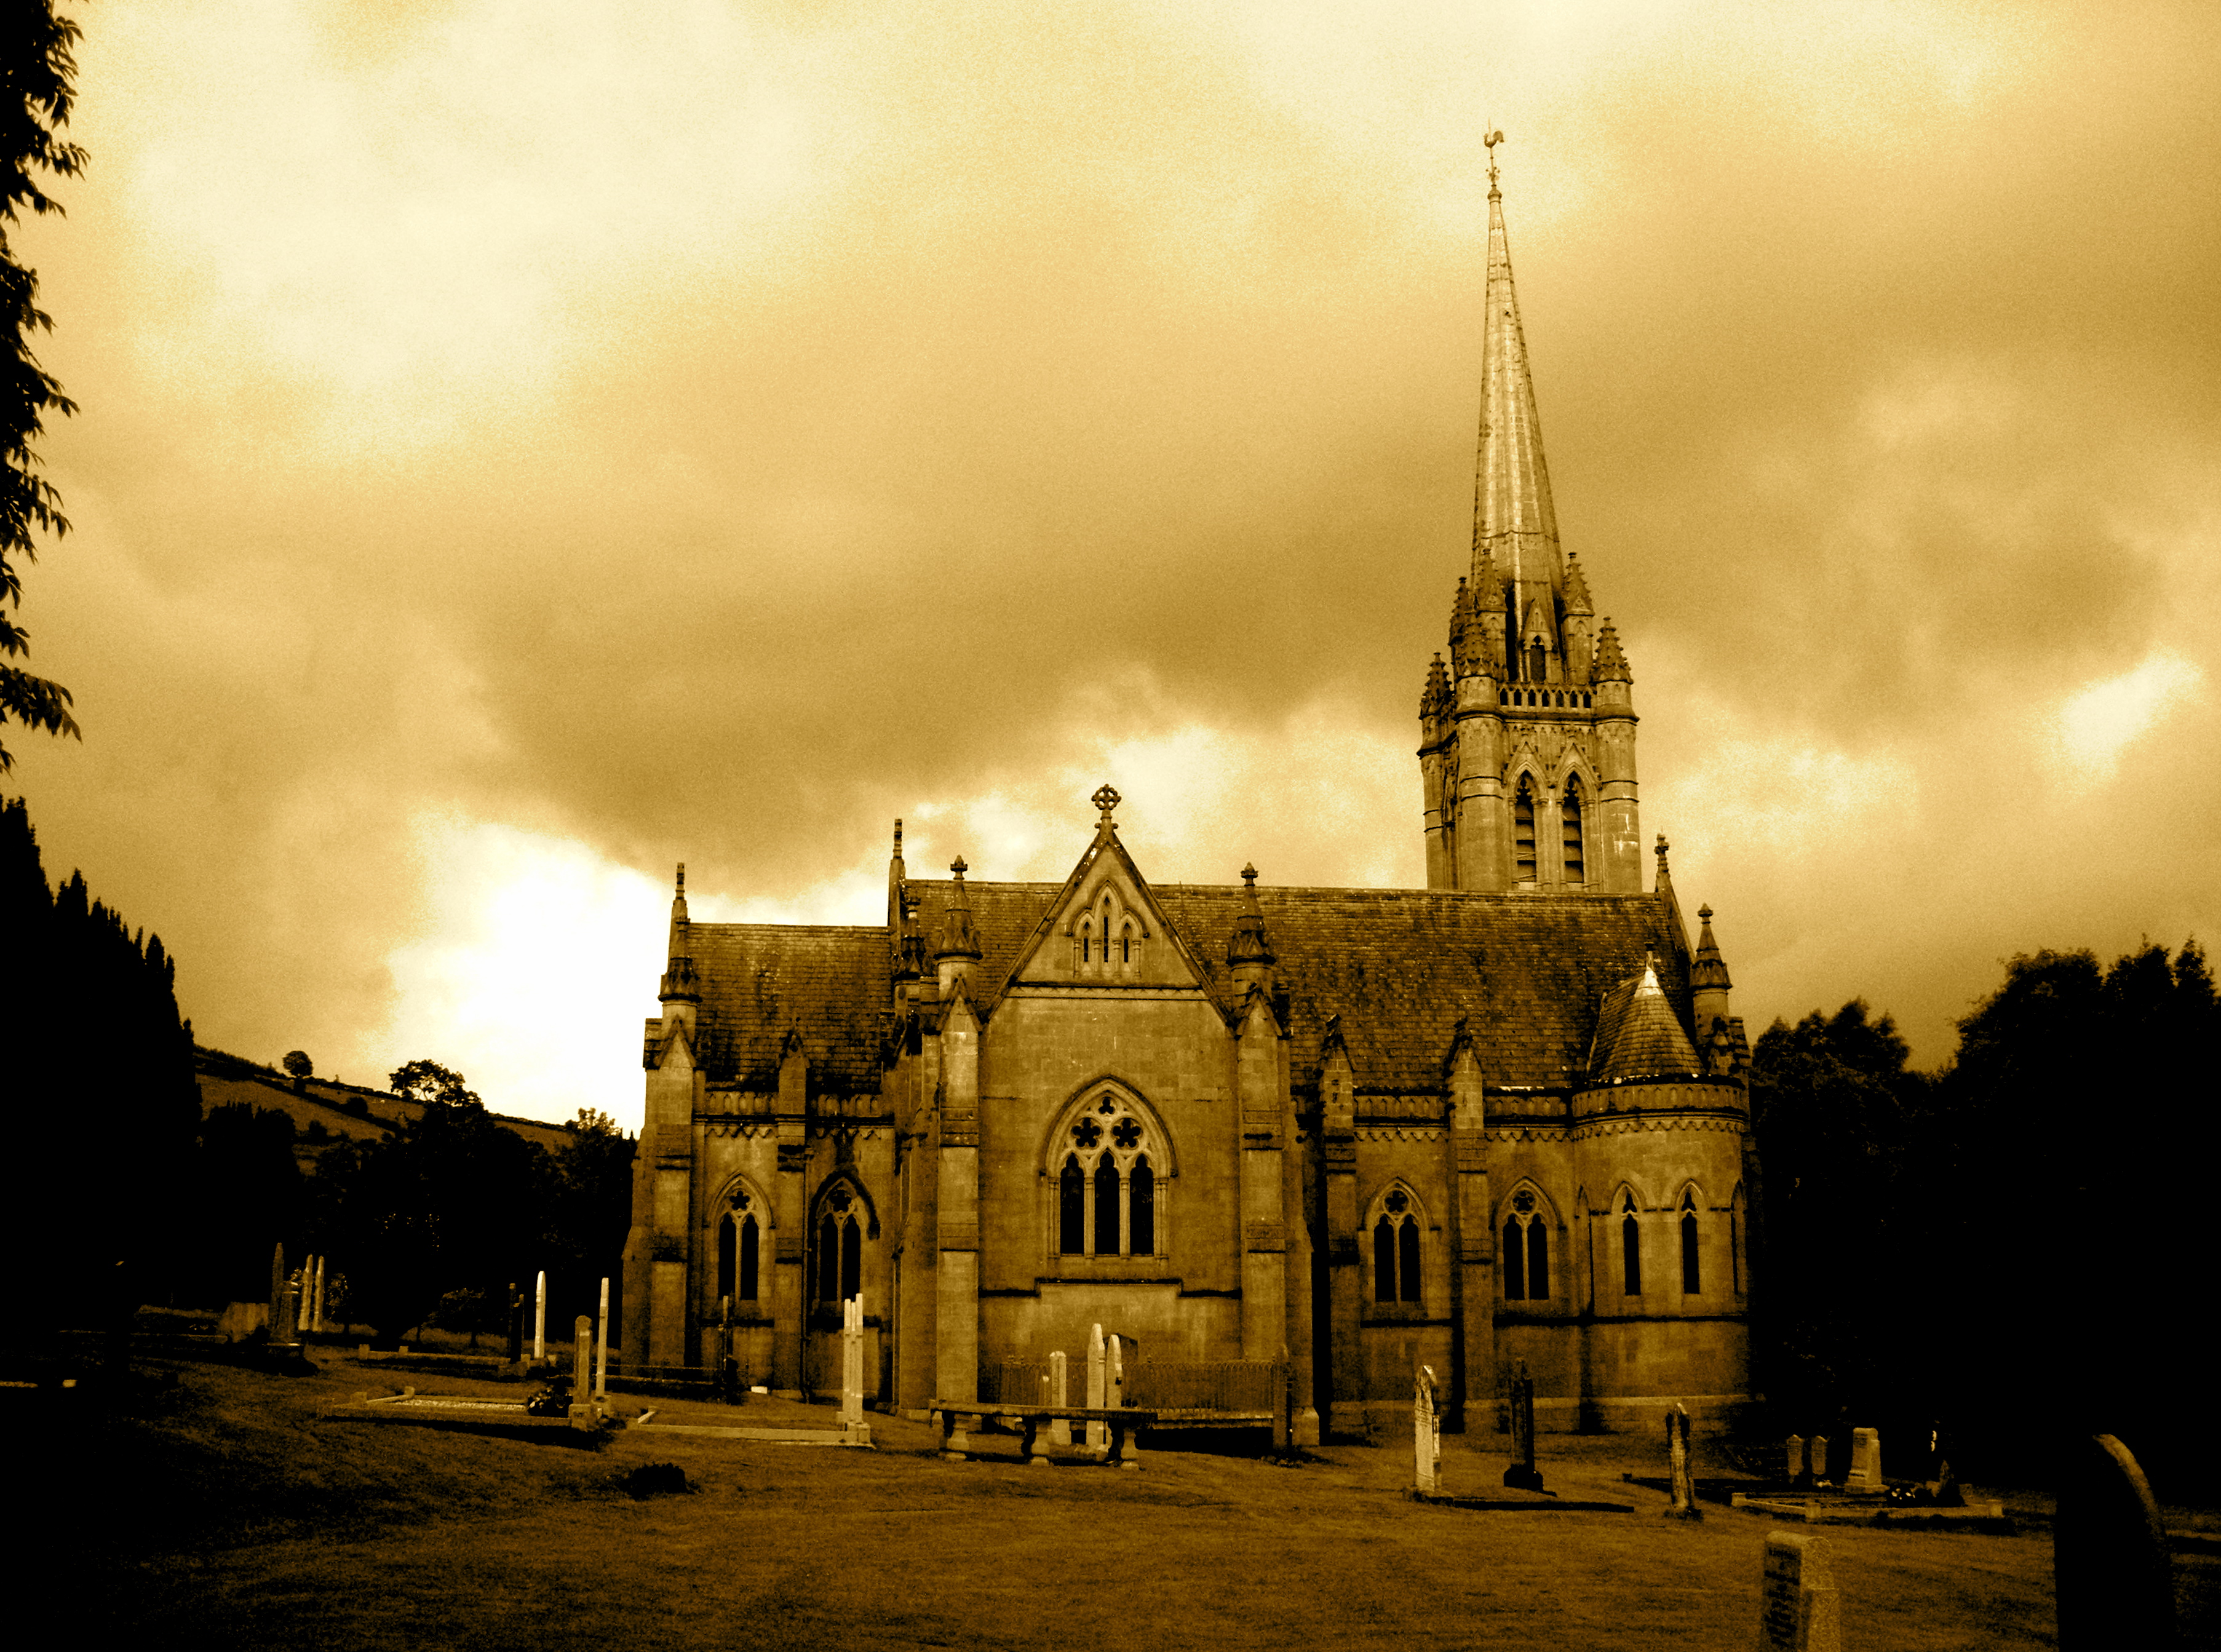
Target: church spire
point(1515, 526)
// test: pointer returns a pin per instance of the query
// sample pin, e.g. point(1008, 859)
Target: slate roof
point(1638, 1034)
point(1529, 973)
point(1400, 965)
point(759, 979)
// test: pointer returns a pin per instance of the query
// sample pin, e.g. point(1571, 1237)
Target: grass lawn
point(253, 1510)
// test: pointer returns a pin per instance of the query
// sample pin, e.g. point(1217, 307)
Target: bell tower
point(1527, 734)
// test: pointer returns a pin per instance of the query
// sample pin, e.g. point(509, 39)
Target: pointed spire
point(1665, 878)
point(1610, 663)
point(1577, 587)
point(959, 936)
point(1249, 944)
point(1435, 699)
point(1710, 971)
point(679, 946)
point(1514, 524)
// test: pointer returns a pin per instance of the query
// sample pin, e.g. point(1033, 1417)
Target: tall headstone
point(540, 1317)
point(1798, 1610)
point(1796, 1463)
point(583, 1414)
point(602, 1343)
point(278, 1322)
point(306, 1303)
point(317, 1317)
point(1522, 1472)
point(1098, 1435)
point(1683, 1482)
point(1819, 1460)
point(851, 1367)
point(285, 1327)
point(1060, 1431)
point(1426, 1434)
point(2111, 1574)
point(1114, 1375)
point(1866, 1461)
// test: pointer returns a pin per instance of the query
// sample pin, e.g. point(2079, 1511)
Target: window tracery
point(739, 1249)
point(1107, 1160)
point(1398, 1271)
point(840, 1260)
point(1525, 1262)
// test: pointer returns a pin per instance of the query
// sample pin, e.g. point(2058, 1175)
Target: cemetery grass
point(257, 1511)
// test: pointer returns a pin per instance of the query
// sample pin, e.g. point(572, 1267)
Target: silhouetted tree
point(100, 1067)
point(37, 73)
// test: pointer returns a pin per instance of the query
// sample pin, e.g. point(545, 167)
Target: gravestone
point(1798, 1610)
point(1114, 1382)
point(1098, 1436)
point(1060, 1431)
point(1798, 1463)
point(852, 1371)
point(602, 1343)
point(540, 1318)
point(316, 1314)
point(728, 1367)
point(1426, 1434)
point(1679, 1466)
point(276, 1321)
point(1866, 1461)
point(1523, 1473)
point(583, 1415)
point(2111, 1574)
point(1819, 1460)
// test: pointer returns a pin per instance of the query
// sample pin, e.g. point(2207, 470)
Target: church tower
point(1527, 736)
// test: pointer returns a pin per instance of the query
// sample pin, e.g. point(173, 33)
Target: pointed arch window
point(1570, 816)
point(1693, 1281)
point(839, 1261)
point(1108, 1165)
point(1537, 664)
point(738, 1246)
point(1087, 941)
point(1630, 1248)
point(1523, 833)
point(1526, 1260)
point(1398, 1275)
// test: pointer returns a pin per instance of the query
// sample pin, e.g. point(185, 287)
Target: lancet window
point(1107, 940)
point(1569, 814)
point(1523, 832)
point(1630, 1247)
point(840, 1260)
point(1692, 1283)
point(1525, 1262)
point(1107, 1161)
point(739, 1249)
point(1398, 1275)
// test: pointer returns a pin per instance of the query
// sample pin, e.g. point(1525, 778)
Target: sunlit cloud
point(2098, 723)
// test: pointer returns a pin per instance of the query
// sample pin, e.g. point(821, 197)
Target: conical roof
point(1638, 1035)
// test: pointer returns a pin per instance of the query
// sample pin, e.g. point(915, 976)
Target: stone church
point(1499, 1121)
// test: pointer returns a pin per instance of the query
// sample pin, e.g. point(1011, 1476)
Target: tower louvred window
point(1522, 833)
point(1570, 813)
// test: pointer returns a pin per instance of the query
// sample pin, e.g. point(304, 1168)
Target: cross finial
point(1105, 799)
point(1662, 847)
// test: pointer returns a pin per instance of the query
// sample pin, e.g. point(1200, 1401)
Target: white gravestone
point(317, 1318)
point(1060, 1431)
point(540, 1318)
point(852, 1372)
point(1798, 1610)
point(1098, 1435)
point(1866, 1461)
point(1426, 1434)
point(602, 1344)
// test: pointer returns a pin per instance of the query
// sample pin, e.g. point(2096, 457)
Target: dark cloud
point(837, 418)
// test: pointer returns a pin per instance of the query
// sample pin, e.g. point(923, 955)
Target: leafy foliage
point(38, 71)
point(298, 1064)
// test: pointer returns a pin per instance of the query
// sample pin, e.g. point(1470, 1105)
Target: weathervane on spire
point(1490, 143)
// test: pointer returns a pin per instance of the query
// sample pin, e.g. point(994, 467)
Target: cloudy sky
point(524, 446)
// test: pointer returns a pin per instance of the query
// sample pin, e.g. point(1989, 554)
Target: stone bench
point(1123, 1422)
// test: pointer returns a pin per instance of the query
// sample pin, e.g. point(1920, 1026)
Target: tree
point(432, 1085)
point(39, 72)
point(298, 1064)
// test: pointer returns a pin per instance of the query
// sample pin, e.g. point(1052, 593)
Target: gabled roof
point(1528, 972)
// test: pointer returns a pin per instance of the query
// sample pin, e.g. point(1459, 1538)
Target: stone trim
point(1400, 1133)
point(1649, 1123)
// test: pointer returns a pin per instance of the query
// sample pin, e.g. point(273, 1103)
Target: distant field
point(255, 1511)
